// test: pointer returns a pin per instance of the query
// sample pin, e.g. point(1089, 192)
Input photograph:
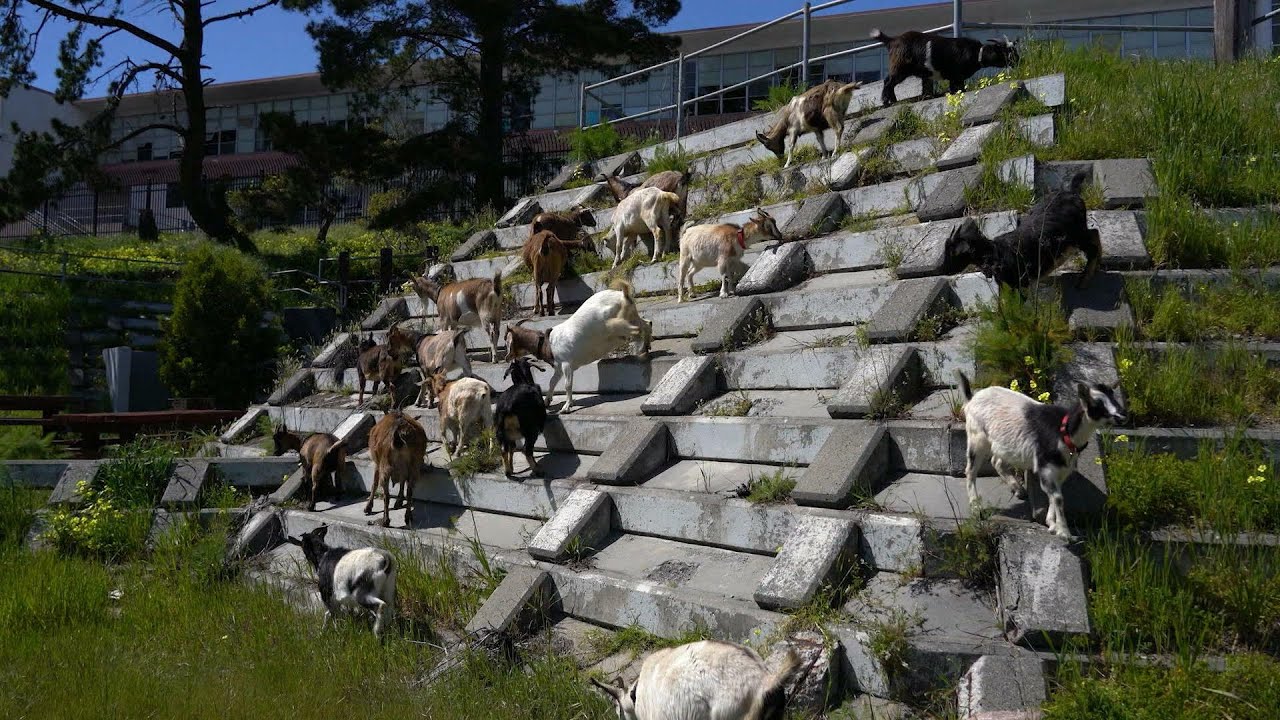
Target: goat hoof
point(368, 511)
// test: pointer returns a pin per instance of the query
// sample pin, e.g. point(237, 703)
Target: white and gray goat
point(359, 579)
point(722, 245)
point(1021, 436)
point(705, 680)
point(645, 210)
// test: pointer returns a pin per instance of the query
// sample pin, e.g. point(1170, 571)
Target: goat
point(645, 210)
point(705, 680)
point(607, 321)
point(546, 254)
point(520, 415)
point(669, 180)
point(1054, 225)
point(474, 303)
point(464, 403)
point(398, 445)
point(930, 57)
point(323, 457)
point(363, 578)
point(383, 363)
point(815, 110)
point(1021, 435)
point(568, 225)
point(723, 246)
point(445, 350)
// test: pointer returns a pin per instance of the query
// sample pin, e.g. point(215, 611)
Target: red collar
point(742, 240)
point(1066, 436)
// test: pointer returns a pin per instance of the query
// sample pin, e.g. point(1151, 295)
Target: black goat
point(930, 57)
point(1054, 225)
point(520, 414)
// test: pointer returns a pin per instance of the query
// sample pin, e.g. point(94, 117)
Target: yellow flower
point(1122, 438)
point(1032, 383)
point(1125, 364)
point(1262, 468)
point(1097, 461)
point(1043, 397)
point(1255, 479)
point(1028, 360)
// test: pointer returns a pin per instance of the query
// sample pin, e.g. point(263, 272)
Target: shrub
point(664, 159)
point(1021, 342)
point(382, 202)
point(593, 143)
point(217, 342)
point(33, 323)
point(779, 96)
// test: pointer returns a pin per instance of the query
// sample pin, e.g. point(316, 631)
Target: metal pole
point(582, 105)
point(957, 18)
point(95, 213)
point(804, 47)
point(679, 95)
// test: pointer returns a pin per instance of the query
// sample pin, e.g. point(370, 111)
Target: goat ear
point(293, 540)
point(507, 374)
point(614, 692)
point(1083, 391)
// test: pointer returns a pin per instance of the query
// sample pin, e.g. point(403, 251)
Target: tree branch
point(108, 22)
point(145, 128)
point(241, 13)
point(127, 79)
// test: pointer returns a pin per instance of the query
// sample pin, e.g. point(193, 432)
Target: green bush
point(217, 343)
point(33, 323)
point(779, 96)
point(1021, 342)
point(593, 143)
point(381, 202)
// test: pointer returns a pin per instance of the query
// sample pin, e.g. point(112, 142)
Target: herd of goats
point(1022, 438)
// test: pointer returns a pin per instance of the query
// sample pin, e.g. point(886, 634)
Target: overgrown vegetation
point(994, 189)
point(480, 455)
point(1232, 384)
point(33, 358)
point(778, 97)
point(773, 487)
point(666, 159)
point(1246, 307)
point(970, 552)
point(1021, 342)
point(736, 405)
point(602, 141)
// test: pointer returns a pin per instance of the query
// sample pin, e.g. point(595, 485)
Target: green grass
point(665, 159)
point(477, 456)
point(991, 192)
point(737, 406)
point(1244, 308)
point(637, 641)
point(1021, 339)
point(779, 96)
point(774, 487)
point(1232, 488)
point(970, 552)
point(1199, 385)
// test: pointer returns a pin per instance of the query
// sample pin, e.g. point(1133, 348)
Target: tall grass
point(1022, 339)
point(1198, 385)
point(1245, 308)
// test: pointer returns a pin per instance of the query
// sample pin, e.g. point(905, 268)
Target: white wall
point(32, 109)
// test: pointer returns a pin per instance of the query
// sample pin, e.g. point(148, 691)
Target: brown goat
point(323, 457)
point(383, 363)
point(475, 303)
point(567, 225)
point(398, 445)
point(545, 254)
point(445, 351)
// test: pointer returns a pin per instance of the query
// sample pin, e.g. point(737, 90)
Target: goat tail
point(627, 292)
point(965, 390)
point(1078, 181)
point(772, 697)
point(877, 34)
point(497, 282)
point(848, 87)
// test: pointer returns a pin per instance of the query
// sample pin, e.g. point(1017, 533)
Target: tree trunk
point(213, 218)
point(322, 234)
point(489, 172)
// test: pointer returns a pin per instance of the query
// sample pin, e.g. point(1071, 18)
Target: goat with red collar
point(722, 245)
point(1021, 436)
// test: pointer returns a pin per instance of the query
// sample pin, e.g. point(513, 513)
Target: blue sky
point(274, 42)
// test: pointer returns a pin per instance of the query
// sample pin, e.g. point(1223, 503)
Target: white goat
point(645, 210)
point(722, 245)
point(607, 321)
point(360, 579)
point(1020, 435)
point(705, 680)
point(464, 403)
point(446, 350)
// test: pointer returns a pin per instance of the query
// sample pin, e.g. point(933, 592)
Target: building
point(237, 148)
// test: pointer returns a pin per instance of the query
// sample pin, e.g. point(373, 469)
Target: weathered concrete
point(638, 450)
point(946, 608)
point(845, 169)
point(1019, 171)
point(796, 369)
point(1125, 183)
point(339, 350)
point(849, 465)
point(946, 200)
point(290, 486)
point(522, 212)
point(1122, 245)
point(984, 105)
point(240, 427)
point(819, 687)
point(705, 519)
point(299, 385)
point(569, 172)
point(1012, 683)
point(76, 471)
point(261, 533)
point(1049, 89)
point(890, 542)
point(826, 301)
point(777, 269)
point(1037, 130)
point(891, 376)
point(729, 575)
point(817, 549)
point(1043, 598)
point(520, 603)
point(682, 388)
point(481, 241)
point(818, 214)
point(912, 156)
point(888, 198)
point(254, 472)
point(390, 311)
point(966, 148)
point(921, 446)
point(32, 473)
point(870, 128)
point(909, 303)
point(1053, 176)
point(732, 322)
point(579, 525)
point(186, 481)
point(623, 164)
point(777, 441)
point(354, 430)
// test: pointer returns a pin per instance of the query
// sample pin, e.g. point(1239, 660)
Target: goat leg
point(534, 470)
point(373, 491)
point(507, 454)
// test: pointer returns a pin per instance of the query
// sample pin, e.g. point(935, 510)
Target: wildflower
point(1122, 438)
point(1043, 397)
point(1030, 361)
point(1125, 364)
point(1255, 479)
point(1262, 468)
point(1013, 385)
point(1097, 461)
point(1032, 384)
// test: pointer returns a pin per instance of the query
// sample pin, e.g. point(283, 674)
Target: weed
point(774, 487)
point(577, 552)
point(625, 268)
point(858, 223)
point(666, 159)
point(739, 406)
point(1233, 385)
point(1180, 234)
point(1245, 308)
point(893, 252)
point(18, 506)
point(907, 124)
point(601, 141)
point(886, 404)
point(1092, 195)
point(1021, 341)
point(479, 456)
point(827, 603)
point(637, 641)
point(778, 97)
point(938, 322)
point(970, 552)
point(890, 639)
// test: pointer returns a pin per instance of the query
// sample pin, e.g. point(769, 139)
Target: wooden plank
point(106, 421)
point(38, 402)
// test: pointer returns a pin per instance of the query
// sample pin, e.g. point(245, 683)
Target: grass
point(774, 487)
point(890, 639)
point(636, 640)
point(938, 322)
point(738, 406)
point(970, 552)
point(1180, 235)
point(666, 159)
point(991, 191)
point(857, 223)
point(1232, 385)
point(826, 606)
point(779, 96)
point(1021, 340)
point(1245, 308)
point(479, 456)
point(886, 405)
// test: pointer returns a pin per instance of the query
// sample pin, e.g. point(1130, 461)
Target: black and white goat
point(1055, 225)
point(363, 578)
point(520, 414)
point(705, 680)
point(1020, 436)
point(930, 57)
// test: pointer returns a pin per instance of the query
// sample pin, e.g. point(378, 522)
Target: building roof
point(217, 167)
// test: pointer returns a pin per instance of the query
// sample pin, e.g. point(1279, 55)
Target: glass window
point(735, 101)
point(867, 66)
point(1138, 42)
point(1108, 39)
point(1171, 44)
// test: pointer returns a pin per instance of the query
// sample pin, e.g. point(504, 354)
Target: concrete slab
point(579, 525)
point(775, 270)
point(1048, 89)
point(890, 376)
point(682, 388)
point(808, 403)
point(1122, 245)
point(570, 171)
point(638, 450)
point(888, 198)
point(775, 441)
point(822, 303)
point(354, 430)
point(254, 472)
point(805, 369)
point(946, 497)
point(243, 425)
point(891, 543)
point(678, 565)
point(850, 464)
point(983, 106)
point(946, 200)
point(1002, 684)
point(1019, 171)
point(297, 386)
point(1043, 593)
point(186, 481)
point(622, 164)
point(912, 156)
point(452, 523)
point(519, 603)
point(705, 476)
point(76, 472)
point(1037, 130)
point(927, 447)
point(910, 302)
point(290, 486)
point(967, 146)
point(946, 607)
point(819, 547)
point(845, 170)
point(481, 241)
point(817, 215)
point(523, 211)
point(973, 290)
point(1125, 183)
point(32, 473)
point(733, 321)
point(389, 311)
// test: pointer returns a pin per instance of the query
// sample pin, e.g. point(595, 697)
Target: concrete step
point(452, 523)
point(679, 565)
point(712, 476)
point(945, 497)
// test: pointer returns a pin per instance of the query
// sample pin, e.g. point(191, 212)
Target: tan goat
point(722, 245)
point(445, 351)
point(464, 403)
point(819, 108)
point(474, 303)
point(546, 254)
point(398, 445)
point(647, 210)
point(383, 363)
point(323, 458)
